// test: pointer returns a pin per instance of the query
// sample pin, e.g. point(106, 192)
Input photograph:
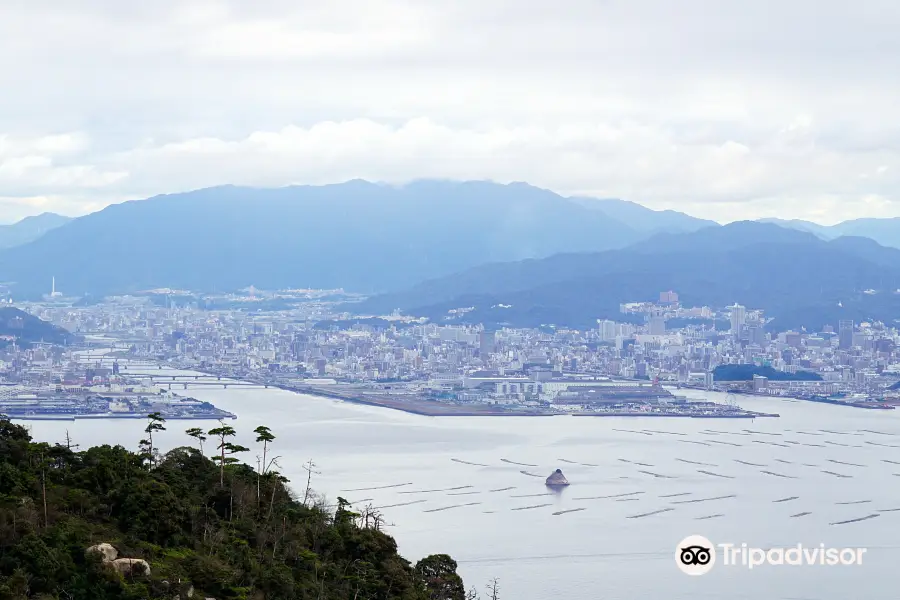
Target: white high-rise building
point(607, 330)
point(738, 318)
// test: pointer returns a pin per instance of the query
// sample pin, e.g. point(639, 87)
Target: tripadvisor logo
point(696, 555)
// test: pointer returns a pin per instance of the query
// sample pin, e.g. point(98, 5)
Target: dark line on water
point(694, 462)
point(381, 487)
point(657, 475)
point(803, 514)
point(453, 489)
point(744, 462)
point(649, 514)
point(465, 462)
point(839, 474)
point(634, 462)
point(676, 495)
point(715, 474)
point(893, 462)
point(786, 499)
point(516, 463)
point(872, 516)
point(533, 495)
point(531, 474)
point(709, 517)
point(778, 474)
point(506, 489)
point(612, 496)
point(838, 462)
point(724, 443)
point(402, 504)
point(530, 507)
point(443, 508)
point(704, 499)
point(564, 512)
point(781, 460)
point(463, 493)
point(695, 442)
point(854, 502)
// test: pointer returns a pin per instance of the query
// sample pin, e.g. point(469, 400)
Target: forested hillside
point(206, 529)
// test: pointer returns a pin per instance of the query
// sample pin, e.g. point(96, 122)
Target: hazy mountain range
point(30, 229)
point(800, 279)
point(356, 235)
point(565, 261)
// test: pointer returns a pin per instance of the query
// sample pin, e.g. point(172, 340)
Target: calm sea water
point(457, 488)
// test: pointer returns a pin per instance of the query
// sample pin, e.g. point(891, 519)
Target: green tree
point(264, 435)
point(438, 574)
point(197, 433)
point(222, 432)
point(155, 424)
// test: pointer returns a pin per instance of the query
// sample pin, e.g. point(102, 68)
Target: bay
point(457, 485)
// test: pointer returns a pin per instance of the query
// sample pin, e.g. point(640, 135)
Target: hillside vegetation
point(206, 529)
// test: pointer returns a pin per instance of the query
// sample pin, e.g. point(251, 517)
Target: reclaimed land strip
point(788, 499)
point(714, 474)
point(650, 514)
point(872, 516)
point(782, 475)
point(531, 474)
point(612, 496)
point(465, 462)
point(702, 464)
point(453, 489)
point(632, 462)
point(744, 462)
point(709, 517)
point(402, 504)
point(854, 502)
point(512, 462)
point(696, 500)
point(564, 512)
point(676, 495)
point(849, 464)
point(427, 408)
point(695, 442)
point(530, 507)
point(380, 487)
point(802, 514)
point(657, 475)
point(506, 489)
point(841, 475)
point(431, 510)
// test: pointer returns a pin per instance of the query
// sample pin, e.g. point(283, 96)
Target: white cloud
point(726, 110)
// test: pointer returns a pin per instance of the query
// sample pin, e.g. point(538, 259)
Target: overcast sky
point(726, 109)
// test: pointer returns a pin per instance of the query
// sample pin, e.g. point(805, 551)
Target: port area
point(853, 401)
point(436, 408)
point(37, 405)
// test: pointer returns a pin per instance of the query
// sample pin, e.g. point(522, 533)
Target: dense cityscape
point(311, 341)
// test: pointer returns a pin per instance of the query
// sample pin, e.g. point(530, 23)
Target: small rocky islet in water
point(557, 480)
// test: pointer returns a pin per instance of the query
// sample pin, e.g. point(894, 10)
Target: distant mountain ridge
point(30, 229)
point(356, 235)
point(884, 231)
point(799, 279)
